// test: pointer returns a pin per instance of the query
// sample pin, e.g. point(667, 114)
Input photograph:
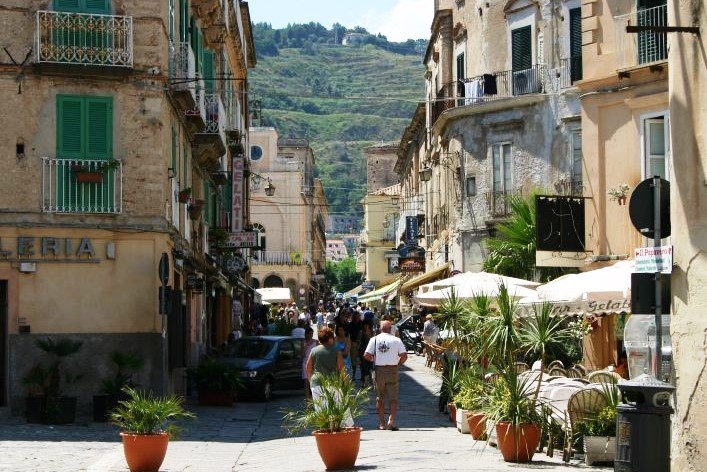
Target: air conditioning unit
point(526, 81)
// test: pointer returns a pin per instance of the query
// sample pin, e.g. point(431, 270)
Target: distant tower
point(380, 164)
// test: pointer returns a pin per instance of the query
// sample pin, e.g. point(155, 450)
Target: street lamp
point(269, 187)
point(426, 174)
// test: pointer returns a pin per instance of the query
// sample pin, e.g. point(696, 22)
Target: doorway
point(3, 342)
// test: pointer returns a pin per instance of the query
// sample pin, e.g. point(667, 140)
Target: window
point(501, 167)
point(471, 186)
point(656, 147)
point(256, 153)
point(83, 6)
point(522, 48)
point(575, 161)
point(575, 44)
point(652, 45)
point(260, 241)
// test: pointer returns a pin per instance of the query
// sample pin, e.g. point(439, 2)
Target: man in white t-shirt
point(388, 353)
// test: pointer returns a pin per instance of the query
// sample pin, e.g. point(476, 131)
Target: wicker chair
point(555, 363)
point(521, 367)
point(575, 373)
point(557, 371)
point(583, 405)
point(604, 377)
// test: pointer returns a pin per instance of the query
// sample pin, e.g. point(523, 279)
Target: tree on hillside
point(342, 275)
point(512, 250)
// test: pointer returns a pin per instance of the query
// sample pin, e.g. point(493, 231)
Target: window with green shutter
point(183, 21)
point(84, 133)
point(209, 71)
point(174, 149)
point(522, 48)
point(83, 6)
point(575, 44)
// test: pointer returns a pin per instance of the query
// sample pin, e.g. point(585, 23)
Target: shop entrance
point(3, 342)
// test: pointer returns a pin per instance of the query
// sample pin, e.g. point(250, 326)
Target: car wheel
point(266, 390)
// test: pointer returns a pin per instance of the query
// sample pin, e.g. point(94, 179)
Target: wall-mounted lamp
point(269, 188)
point(426, 174)
point(256, 178)
point(395, 199)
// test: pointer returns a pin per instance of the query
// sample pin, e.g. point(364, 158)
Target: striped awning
point(353, 291)
point(383, 293)
point(429, 276)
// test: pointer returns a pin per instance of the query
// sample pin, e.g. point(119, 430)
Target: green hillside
point(342, 98)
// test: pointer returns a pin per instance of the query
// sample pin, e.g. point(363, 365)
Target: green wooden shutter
point(96, 6)
point(67, 5)
point(99, 127)
point(174, 149)
point(209, 70)
point(71, 140)
point(171, 20)
point(576, 44)
point(522, 47)
point(183, 21)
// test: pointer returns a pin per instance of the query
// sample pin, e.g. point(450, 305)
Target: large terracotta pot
point(477, 425)
point(452, 412)
point(145, 452)
point(517, 443)
point(339, 450)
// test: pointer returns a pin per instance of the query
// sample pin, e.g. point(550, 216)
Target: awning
point(427, 277)
point(275, 294)
point(353, 291)
point(383, 293)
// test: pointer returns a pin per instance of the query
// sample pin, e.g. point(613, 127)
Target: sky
point(398, 20)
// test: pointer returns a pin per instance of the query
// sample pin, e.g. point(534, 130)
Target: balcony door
point(652, 46)
point(501, 178)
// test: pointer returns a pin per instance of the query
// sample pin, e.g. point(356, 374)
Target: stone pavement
point(249, 437)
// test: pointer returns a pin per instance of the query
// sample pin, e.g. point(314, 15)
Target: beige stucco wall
point(688, 109)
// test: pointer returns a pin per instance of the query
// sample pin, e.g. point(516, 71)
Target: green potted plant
point(599, 432)
point(46, 400)
point(112, 388)
point(92, 171)
point(147, 422)
point(469, 401)
point(327, 415)
point(216, 382)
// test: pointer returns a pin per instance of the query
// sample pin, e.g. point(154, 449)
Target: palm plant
point(501, 335)
point(339, 402)
point(451, 312)
point(144, 413)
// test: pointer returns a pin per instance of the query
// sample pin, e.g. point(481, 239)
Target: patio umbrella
point(487, 287)
point(475, 279)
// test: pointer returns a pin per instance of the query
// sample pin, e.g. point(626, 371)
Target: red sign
point(412, 265)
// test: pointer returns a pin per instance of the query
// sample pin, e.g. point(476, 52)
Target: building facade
point(119, 164)
point(378, 255)
point(290, 221)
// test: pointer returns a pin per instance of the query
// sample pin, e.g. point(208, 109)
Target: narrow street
point(249, 437)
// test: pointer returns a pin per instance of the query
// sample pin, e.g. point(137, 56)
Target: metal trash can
point(643, 426)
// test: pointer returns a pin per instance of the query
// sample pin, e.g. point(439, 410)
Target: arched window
point(260, 238)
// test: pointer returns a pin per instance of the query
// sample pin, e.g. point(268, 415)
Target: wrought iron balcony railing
point(215, 114)
point(645, 47)
point(288, 258)
point(569, 72)
point(182, 68)
point(498, 203)
point(487, 87)
point(82, 38)
point(81, 186)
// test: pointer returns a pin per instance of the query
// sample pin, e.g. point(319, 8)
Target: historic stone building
point(123, 119)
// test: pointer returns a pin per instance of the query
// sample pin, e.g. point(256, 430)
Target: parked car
point(267, 363)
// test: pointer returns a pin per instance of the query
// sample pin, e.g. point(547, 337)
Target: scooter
point(412, 341)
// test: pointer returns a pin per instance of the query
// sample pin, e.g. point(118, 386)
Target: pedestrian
point(387, 352)
point(308, 344)
point(299, 331)
point(430, 332)
point(366, 365)
point(343, 344)
point(354, 327)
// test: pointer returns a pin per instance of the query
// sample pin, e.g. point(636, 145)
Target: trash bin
point(643, 425)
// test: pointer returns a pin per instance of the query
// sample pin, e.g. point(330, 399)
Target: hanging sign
point(241, 239)
point(237, 195)
point(653, 259)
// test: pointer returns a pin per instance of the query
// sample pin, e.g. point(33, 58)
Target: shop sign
point(237, 195)
point(654, 259)
point(410, 265)
point(195, 283)
point(241, 239)
point(46, 249)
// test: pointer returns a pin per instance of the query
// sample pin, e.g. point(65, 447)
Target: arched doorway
point(272, 281)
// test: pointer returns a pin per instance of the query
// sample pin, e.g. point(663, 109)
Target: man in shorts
point(388, 353)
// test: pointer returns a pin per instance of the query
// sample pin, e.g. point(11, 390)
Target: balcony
point(81, 186)
point(84, 39)
point(643, 48)
point(182, 75)
point(233, 123)
point(211, 141)
point(211, 16)
point(287, 258)
point(569, 72)
point(498, 203)
point(489, 87)
point(196, 115)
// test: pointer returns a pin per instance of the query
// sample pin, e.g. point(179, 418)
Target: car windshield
point(253, 349)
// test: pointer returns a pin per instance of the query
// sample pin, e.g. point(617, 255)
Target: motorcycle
point(410, 335)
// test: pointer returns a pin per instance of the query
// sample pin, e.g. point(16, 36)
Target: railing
point(498, 203)
point(569, 187)
point(82, 38)
point(81, 186)
point(645, 47)
point(569, 72)
point(182, 68)
point(282, 258)
point(491, 86)
point(215, 114)
point(199, 109)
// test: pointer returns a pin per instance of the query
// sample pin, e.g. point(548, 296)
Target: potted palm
point(216, 382)
point(46, 400)
point(327, 416)
point(112, 388)
point(147, 423)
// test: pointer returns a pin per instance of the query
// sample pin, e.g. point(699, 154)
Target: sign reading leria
point(654, 259)
point(241, 239)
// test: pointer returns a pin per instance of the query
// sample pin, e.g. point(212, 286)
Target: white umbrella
point(599, 291)
point(489, 288)
point(476, 278)
point(275, 294)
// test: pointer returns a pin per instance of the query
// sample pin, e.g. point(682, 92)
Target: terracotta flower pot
point(517, 443)
point(145, 452)
point(477, 425)
point(339, 450)
point(452, 412)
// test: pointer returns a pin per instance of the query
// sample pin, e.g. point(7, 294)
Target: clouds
point(405, 19)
